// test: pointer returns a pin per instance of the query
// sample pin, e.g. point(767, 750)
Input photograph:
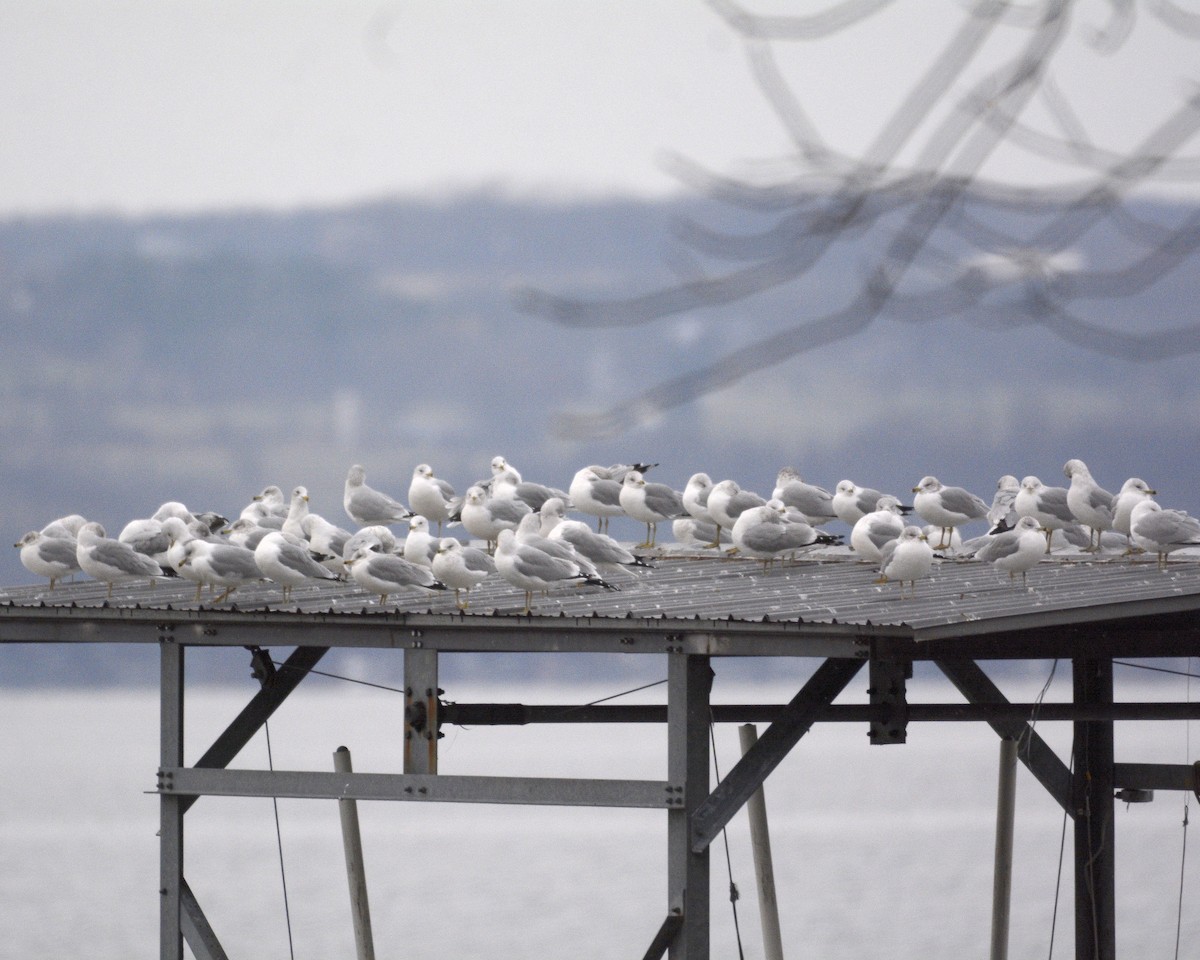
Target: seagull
point(1003, 514)
point(431, 497)
point(907, 558)
point(601, 549)
point(617, 471)
point(1157, 529)
point(946, 507)
point(288, 562)
point(696, 533)
point(219, 564)
point(531, 569)
point(726, 501)
point(597, 495)
point(248, 533)
point(507, 485)
point(46, 556)
point(293, 523)
point(386, 573)
point(461, 567)
point(1133, 491)
point(529, 532)
point(873, 530)
point(649, 503)
point(146, 536)
point(326, 539)
point(484, 517)
point(695, 496)
point(111, 560)
point(1017, 550)
point(64, 528)
point(1047, 505)
point(816, 503)
point(1088, 501)
point(376, 537)
point(767, 531)
point(269, 502)
point(420, 546)
point(851, 502)
point(366, 506)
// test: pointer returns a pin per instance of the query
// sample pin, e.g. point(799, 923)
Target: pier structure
point(694, 614)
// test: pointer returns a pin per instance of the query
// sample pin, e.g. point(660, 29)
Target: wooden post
point(764, 870)
point(356, 873)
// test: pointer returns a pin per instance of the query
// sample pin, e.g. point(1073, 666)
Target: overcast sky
point(149, 105)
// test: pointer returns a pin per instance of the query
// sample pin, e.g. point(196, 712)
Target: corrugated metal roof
point(960, 597)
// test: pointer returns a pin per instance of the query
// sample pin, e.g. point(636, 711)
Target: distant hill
point(199, 358)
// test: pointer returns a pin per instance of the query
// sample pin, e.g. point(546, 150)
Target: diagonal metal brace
point(196, 931)
point(666, 933)
point(1032, 750)
point(259, 710)
point(777, 740)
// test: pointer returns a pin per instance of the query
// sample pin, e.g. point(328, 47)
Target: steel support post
point(689, 684)
point(1092, 800)
point(170, 869)
point(420, 710)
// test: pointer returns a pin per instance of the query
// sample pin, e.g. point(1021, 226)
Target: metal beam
point(550, 791)
point(196, 930)
point(1032, 750)
point(748, 774)
point(666, 933)
point(258, 711)
point(170, 845)
point(689, 686)
point(1092, 800)
point(421, 707)
point(1157, 776)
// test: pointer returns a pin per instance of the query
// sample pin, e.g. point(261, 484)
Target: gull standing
point(293, 523)
point(1088, 501)
point(816, 503)
point(851, 502)
point(386, 573)
point(596, 495)
point(649, 503)
point(366, 506)
point(64, 528)
point(111, 560)
point(697, 533)
point(507, 485)
point(1133, 491)
point(219, 564)
point(431, 497)
point(45, 556)
point(1017, 550)
point(531, 569)
point(946, 507)
point(1162, 531)
point(873, 530)
point(907, 558)
point(484, 517)
point(420, 546)
point(767, 531)
point(461, 567)
point(726, 501)
point(288, 562)
point(601, 549)
point(1003, 513)
point(1047, 505)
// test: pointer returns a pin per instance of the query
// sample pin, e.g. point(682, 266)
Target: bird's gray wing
point(958, 500)
point(1053, 500)
point(230, 560)
point(663, 500)
point(508, 511)
point(1000, 546)
point(125, 558)
point(477, 561)
point(58, 550)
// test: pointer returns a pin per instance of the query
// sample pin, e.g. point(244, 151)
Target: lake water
point(879, 851)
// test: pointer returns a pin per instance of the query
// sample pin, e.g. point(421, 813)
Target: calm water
point(879, 851)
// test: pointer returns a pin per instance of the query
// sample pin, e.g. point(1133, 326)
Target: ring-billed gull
point(596, 495)
point(420, 546)
point(531, 569)
point(698, 533)
point(146, 536)
point(907, 558)
point(461, 567)
point(872, 530)
point(432, 497)
point(851, 502)
point(650, 503)
point(506, 485)
point(768, 531)
point(386, 573)
point(326, 539)
point(1162, 531)
point(219, 565)
point(484, 517)
point(367, 506)
point(727, 500)
point(293, 523)
point(1017, 550)
point(268, 502)
point(112, 561)
point(65, 528)
point(1047, 505)
point(1002, 515)
point(695, 496)
point(946, 507)
point(376, 537)
point(529, 531)
point(1091, 504)
point(816, 503)
point(617, 471)
point(1133, 491)
point(50, 557)
point(601, 549)
point(287, 561)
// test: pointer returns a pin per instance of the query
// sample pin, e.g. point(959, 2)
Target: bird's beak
point(916, 489)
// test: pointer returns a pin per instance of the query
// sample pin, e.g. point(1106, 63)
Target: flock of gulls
point(521, 531)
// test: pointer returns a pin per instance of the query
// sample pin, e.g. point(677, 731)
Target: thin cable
point(1183, 853)
point(1145, 666)
point(287, 915)
point(733, 890)
point(1062, 846)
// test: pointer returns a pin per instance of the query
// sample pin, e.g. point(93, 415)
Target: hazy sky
point(141, 105)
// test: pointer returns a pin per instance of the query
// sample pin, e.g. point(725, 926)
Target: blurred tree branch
point(916, 202)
